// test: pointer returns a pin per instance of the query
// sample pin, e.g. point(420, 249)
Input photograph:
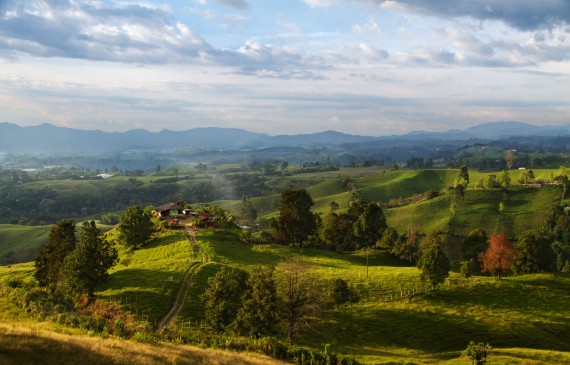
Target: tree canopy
point(295, 217)
point(136, 227)
point(61, 241)
point(87, 265)
point(434, 265)
point(499, 256)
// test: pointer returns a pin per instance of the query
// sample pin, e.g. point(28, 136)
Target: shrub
point(477, 352)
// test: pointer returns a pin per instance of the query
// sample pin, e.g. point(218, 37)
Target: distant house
point(168, 211)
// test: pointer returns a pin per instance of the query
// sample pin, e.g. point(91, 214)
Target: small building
point(168, 211)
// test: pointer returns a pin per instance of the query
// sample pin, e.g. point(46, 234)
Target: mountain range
point(47, 138)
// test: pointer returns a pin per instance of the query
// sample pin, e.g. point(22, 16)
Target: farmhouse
point(168, 211)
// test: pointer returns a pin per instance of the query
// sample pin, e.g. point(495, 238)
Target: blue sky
point(372, 67)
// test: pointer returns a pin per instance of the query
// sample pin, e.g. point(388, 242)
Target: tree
point(135, 227)
point(499, 256)
point(295, 217)
point(490, 182)
point(510, 159)
point(339, 292)
point(87, 265)
point(258, 313)
point(527, 176)
point(336, 231)
point(61, 241)
point(459, 187)
point(297, 294)
point(369, 224)
point(463, 176)
point(408, 246)
point(504, 180)
point(474, 244)
point(434, 265)
point(222, 299)
point(248, 211)
point(478, 352)
point(334, 206)
point(533, 254)
point(389, 238)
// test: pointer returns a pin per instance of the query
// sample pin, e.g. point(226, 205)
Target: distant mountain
point(495, 130)
point(46, 138)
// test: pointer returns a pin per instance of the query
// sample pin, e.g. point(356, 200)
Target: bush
point(478, 352)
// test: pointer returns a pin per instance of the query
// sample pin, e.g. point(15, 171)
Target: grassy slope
point(432, 328)
point(524, 209)
point(523, 312)
point(23, 241)
point(30, 345)
point(151, 279)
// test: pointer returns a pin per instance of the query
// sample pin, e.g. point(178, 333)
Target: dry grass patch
point(31, 345)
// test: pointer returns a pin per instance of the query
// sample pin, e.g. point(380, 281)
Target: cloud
point(237, 4)
point(131, 33)
point(520, 14)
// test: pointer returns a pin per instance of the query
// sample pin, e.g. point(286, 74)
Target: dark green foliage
point(534, 254)
point(369, 224)
point(434, 265)
point(136, 227)
point(295, 217)
point(336, 231)
point(407, 247)
point(477, 352)
point(469, 268)
point(223, 297)
point(464, 175)
point(88, 264)
point(61, 241)
point(339, 292)
point(258, 313)
point(389, 238)
point(474, 244)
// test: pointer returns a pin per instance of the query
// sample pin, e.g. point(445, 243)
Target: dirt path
point(186, 282)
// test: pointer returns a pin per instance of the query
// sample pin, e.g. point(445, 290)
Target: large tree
point(295, 217)
point(61, 241)
point(534, 254)
point(223, 297)
point(498, 258)
point(88, 264)
point(258, 313)
point(336, 231)
point(369, 223)
point(434, 265)
point(297, 294)
point(136, 227)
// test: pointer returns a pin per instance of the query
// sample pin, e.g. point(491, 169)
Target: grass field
point(521, 312)
point(525, 318)
point(147, 280)
point(22, 241)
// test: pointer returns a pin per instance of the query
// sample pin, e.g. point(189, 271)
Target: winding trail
point(186, 282)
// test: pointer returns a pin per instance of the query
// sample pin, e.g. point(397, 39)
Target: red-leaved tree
point(499, 256)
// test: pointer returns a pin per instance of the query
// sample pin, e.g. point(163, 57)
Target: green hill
point(21, 243)
point(524, 317)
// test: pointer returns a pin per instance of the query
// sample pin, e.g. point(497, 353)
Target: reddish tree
point(499, 256)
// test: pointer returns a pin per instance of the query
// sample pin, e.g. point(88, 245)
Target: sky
point(366, 67)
